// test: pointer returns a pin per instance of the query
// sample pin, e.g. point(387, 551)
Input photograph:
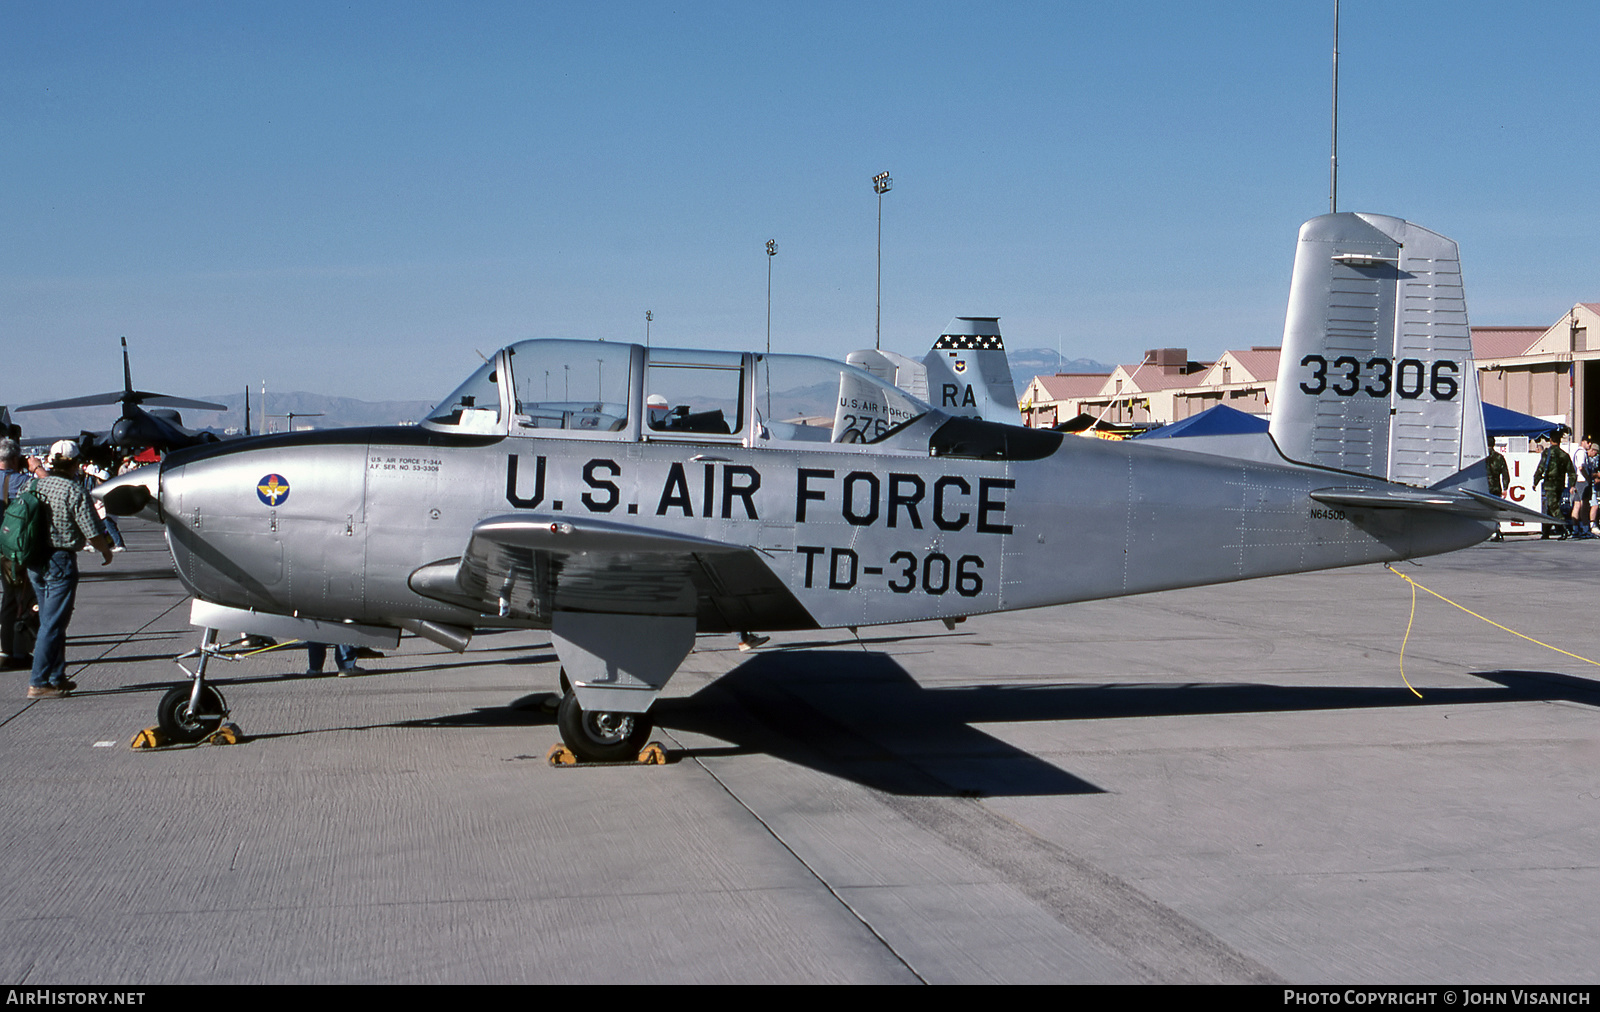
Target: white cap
point(655, 401)
point(64, 449)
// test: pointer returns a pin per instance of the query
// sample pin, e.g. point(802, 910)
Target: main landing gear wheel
point(602, 737)
point(179, 723)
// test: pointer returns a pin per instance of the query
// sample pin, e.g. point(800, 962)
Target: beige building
point(1167, 386)
point(1048, 401)
point(1552, 372)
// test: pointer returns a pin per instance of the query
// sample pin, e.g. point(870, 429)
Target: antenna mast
point(1333, 169)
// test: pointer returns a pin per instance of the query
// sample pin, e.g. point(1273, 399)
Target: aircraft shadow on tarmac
point(862, 717)
point(123, 659)
point(94, 573)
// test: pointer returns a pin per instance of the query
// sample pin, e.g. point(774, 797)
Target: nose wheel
point(182, 719)
point(601, 737)
point(193, 712)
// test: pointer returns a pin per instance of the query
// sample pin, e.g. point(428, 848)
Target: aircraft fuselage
point(334, 524)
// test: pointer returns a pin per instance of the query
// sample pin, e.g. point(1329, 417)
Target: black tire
point(178, 724)
point(602, 737)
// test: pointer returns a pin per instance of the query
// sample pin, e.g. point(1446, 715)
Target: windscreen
point(474, 406)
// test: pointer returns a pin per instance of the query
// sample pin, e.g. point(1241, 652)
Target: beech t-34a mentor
point(628, 498)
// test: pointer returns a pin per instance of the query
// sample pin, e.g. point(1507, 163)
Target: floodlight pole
point(772, 251)
point(880, 185)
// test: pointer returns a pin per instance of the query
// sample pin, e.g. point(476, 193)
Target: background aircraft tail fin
point(906, 373)
point(1377, 375)
point(968, 373)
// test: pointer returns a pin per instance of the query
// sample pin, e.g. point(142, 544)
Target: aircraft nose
point(137, 492)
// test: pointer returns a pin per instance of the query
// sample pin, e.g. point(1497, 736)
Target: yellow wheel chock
point(152, 738)
point(652, 754)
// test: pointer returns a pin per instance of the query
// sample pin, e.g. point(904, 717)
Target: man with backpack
point(68, 523)
point(16, 593)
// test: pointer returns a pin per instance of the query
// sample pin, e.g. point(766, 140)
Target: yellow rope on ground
point(1415, 586)
point(1407, 638)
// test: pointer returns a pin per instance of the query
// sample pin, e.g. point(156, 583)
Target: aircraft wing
point(527, 566)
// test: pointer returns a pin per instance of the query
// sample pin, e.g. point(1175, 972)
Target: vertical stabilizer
point(968, 373)
point(1377, 375)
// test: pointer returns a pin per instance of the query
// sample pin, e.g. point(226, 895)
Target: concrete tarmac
point(1230, 784)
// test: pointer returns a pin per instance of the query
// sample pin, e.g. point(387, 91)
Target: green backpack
point(25, 529)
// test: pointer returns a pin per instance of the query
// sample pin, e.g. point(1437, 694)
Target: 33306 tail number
point(1347, 376)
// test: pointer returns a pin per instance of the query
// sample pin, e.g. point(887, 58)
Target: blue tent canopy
point(1218, 421)
point(1505, 422)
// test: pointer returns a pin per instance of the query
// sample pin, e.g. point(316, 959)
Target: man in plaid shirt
point(54, 574)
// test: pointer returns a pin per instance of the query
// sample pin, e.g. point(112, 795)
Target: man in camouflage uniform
point(1556, 471)
point(1499, 481)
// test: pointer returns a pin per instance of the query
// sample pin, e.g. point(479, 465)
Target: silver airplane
point(629, 498)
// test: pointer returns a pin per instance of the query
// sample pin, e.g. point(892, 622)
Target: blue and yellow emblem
point(273, 489)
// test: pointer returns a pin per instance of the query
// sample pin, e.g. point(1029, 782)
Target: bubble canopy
point(605, 390)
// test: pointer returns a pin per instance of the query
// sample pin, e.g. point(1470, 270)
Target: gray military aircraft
point(628, 498)
point(161, 428)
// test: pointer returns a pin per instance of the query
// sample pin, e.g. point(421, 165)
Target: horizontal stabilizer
point(1463, 502)
point(86, 401)
point(125, 396)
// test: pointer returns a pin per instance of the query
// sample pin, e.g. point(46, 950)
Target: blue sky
point(355, 198)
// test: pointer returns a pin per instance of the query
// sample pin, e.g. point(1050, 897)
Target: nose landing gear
point(191, 713)
point(602, 737)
